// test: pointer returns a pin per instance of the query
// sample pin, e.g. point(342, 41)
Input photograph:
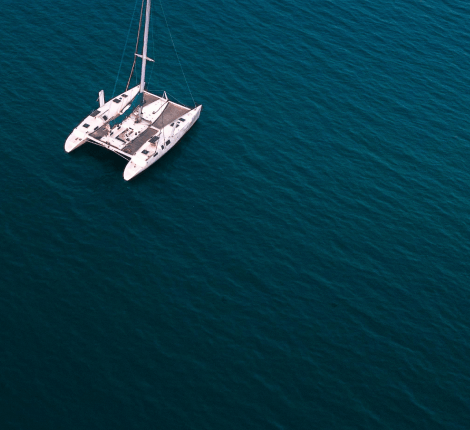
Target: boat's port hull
point(73, 142)
point(99, 118)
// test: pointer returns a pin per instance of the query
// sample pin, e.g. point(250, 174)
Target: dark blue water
point(299, 261)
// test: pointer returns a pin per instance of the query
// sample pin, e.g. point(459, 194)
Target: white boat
point(137, 125)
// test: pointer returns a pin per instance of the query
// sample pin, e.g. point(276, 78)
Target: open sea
point(301, 259)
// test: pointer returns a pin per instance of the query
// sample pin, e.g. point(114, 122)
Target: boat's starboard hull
point(167, 139)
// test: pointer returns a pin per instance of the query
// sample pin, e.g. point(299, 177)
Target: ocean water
point(299, 261)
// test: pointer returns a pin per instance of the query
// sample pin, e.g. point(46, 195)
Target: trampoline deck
point(133, 146)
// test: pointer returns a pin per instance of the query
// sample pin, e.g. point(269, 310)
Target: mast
point(144, 51)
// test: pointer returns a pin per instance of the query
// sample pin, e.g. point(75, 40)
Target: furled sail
point(136, 102)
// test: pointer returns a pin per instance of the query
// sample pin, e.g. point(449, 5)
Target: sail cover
point(136, 102)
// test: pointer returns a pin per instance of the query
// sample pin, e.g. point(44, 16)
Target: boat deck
point(150, 98)
point(171, 113)
point(133, 146)
point(98, 134)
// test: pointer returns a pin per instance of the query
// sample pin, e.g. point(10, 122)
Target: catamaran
point(137, 125)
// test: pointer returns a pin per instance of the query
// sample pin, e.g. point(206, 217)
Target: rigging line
point(176, 52)
point(152, 38)
point(125, 46)
point(136, 45)
point(170, 96)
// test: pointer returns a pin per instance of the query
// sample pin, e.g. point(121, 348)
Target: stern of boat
point(74, 141)
point(132, 170)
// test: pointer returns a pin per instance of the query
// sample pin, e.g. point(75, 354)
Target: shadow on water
point(101, 154)
point(114, 165)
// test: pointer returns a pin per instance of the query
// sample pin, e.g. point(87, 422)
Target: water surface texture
point(299, 261)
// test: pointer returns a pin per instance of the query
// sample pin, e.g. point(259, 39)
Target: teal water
point(299, 261)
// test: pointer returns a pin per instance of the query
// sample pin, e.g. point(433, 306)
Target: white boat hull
point(98, 118)
point(138, 164)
